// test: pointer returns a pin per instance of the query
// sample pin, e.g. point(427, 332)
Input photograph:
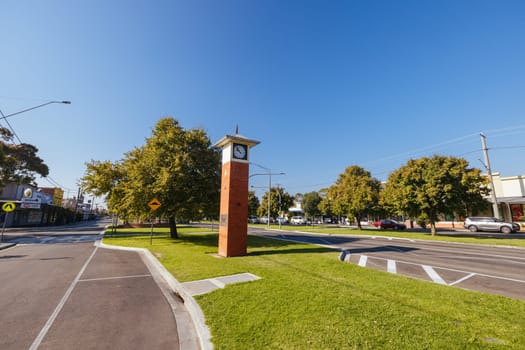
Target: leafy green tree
point(325, 206)
point(310, 204)
point(279, 201)
point(177, 166)
point(429, 187)
point(102, 179)
point(355, 193)
point(253, 203)
point(19, 163)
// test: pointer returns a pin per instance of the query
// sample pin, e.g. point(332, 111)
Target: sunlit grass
point(308, 299)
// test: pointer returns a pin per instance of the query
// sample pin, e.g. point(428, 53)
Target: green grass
point(461, 237)
point(308, 299)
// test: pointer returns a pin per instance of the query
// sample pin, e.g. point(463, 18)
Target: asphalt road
point(491, 269)
point(61, 291)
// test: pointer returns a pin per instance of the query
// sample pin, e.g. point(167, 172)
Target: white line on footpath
point(362, 260)
point(49, 323)
point(112, 278)
point(433, 274)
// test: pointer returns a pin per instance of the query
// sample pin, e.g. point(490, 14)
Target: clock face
point(240, 151)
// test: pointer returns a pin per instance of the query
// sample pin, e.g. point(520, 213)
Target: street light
point(35, 107)
point(269, 174)
point(4, 117)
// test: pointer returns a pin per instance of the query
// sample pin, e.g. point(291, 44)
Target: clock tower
point(233, 217)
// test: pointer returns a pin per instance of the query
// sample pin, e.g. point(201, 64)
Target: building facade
point(510, 196)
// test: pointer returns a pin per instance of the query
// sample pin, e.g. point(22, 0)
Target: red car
point(390, 224)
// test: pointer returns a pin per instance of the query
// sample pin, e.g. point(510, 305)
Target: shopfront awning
point(509, 200)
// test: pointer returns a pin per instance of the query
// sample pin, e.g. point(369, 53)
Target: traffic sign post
point(7, 207)
point(154, 204)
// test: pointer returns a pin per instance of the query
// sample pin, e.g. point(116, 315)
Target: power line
point(55, 183)
point(506, 147)
point(10, 127)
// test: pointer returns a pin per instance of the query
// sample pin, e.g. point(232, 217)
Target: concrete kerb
point(193, 308)
point(6, 245)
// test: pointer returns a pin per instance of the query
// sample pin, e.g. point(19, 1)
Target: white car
point(298, 220)
point(281, 220)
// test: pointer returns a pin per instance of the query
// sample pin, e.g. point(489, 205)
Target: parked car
point(254, 220)
point(390, 224)
point(264, 220)
point(483, 223)
point(298, 220)
point(282, 220)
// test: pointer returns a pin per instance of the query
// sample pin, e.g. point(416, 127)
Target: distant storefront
point(510, 195)
point(36, 207)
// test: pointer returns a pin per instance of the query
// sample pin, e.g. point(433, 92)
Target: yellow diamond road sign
point(8, 207)
point(154, 204)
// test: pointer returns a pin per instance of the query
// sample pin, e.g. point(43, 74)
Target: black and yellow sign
point(8, 207)
point(154, 204)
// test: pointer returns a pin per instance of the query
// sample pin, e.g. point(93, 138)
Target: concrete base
point(211, 284)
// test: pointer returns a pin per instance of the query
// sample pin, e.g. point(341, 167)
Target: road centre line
point(112, 278)
point(52, 318)
point(510, 259)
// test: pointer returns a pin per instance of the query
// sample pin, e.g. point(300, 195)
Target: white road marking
point(362, 260)
point(112, 278)
point(52, 318)
point(391, 266)
point(462, 279)
point(433, 274)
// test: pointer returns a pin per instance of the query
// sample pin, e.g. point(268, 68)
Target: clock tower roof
point(228, 139)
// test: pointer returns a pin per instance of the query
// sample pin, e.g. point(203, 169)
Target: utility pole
point(489, 171)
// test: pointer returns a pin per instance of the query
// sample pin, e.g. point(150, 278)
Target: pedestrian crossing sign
point(8, 207)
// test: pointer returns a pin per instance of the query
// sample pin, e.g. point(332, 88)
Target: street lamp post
point(35, 107)
point(269, 174)
point(4, 117)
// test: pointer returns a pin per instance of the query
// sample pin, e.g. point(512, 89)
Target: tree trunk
point(358, 219)
point(173, 228)
point(433, 228)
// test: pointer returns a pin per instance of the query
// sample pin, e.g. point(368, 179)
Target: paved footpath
point(83, 296)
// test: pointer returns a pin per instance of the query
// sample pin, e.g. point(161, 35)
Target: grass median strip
point(308, 299)
point(465, 237)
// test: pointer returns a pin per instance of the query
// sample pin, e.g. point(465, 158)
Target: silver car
point(481, 223)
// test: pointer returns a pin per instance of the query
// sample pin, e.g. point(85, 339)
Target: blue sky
point(322, 84)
